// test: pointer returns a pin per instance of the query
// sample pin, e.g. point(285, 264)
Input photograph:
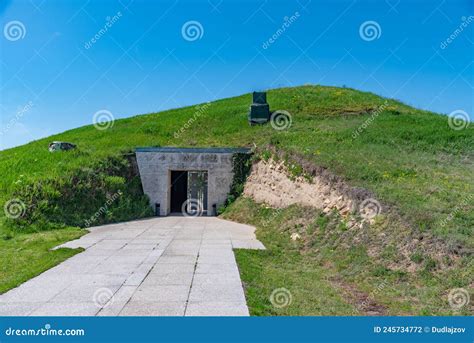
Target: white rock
point(295, 236)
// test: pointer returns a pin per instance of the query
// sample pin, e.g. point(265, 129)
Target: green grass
point(27, 255)
point(330, 277)
point(410, 159)
point(311, 294)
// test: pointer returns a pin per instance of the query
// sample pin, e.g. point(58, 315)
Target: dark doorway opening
point(179, 189)
point(188, 192)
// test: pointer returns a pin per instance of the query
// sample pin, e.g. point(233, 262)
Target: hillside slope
point(411, 160)
point(408, 157)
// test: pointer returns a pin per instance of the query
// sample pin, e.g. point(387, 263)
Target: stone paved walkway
point(162, 266)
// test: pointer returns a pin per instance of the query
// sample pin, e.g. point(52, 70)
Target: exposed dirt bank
point(367, 221)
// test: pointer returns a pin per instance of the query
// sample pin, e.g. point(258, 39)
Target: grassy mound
point(407, 157)
point(108, 191)
point(410, 159)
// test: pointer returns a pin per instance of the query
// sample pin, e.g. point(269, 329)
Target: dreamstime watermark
point(370, 30)
point(14, 208)
point(275, 213)
point(380, 287)
point(102, 209)
point(192, 208)
point(109, 22)
point(458, 298)
point(19, 114)
point(458, 120)
point(281, 120)
point(103, 120)
point(456, 210)
point(200, 110)
point(281, 297)
point(370, 208)
point(369, 120)
point(465, 21)
point(14, 30)
point(192, 30)
point(287, 22)
point(45, 331)
point(103, 297)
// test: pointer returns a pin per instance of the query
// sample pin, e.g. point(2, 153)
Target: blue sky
point(54, 78)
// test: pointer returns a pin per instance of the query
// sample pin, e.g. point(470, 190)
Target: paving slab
point(103, 280)
point(161, 293)
point(153, 256)
point(180, 251)
point(219, 293)
point(247, 244)
point(178, 259)
point(217, 309)
point(117, 302)
point(209, 259)
point(138, 275)
point(18, 309)
point(115, 268)
point(78, 293)
point(124, 259)
point(31, 294)
point(217, 279)
point(183, 279)
point(213, 268)
point(136, 308)
point(167, 266)
point(67, 309)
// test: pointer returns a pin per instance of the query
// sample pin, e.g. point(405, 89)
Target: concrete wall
point(155, 171)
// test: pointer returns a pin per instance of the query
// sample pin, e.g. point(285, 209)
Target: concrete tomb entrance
point(191, 181)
